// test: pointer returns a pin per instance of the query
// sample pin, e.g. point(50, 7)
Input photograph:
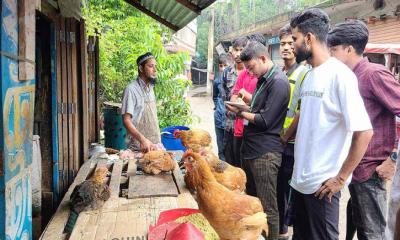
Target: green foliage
point(125, 33)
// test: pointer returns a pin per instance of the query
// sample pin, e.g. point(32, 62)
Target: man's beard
point(153, 80)
point(302, 54)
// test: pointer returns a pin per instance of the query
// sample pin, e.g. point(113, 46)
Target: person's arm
point(215, 92)
point(387, 91)
point(291, 131)
point(358, 147)
point(145, 144)
point(276, 100)
point(129, 104)
point(356, 120)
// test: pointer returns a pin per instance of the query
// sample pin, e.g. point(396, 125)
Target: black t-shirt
point(270, 104)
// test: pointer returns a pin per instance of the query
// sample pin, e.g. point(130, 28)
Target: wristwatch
point(393, 156)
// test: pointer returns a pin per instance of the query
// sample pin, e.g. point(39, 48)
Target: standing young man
point(295, 73)
point(139, 109)
point(381, 94)
point(229, 78)
point(245, 85)
point(262, 149)
point(333, 132)
point(219, 108)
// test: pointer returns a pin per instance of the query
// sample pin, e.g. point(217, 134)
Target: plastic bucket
point(168, 139)
point(114, 130)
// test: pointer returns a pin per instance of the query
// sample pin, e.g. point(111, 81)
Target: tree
point(125, 33)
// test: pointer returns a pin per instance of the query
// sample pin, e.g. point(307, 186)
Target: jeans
point(262, 175)
point(220, 132)
point(314, 218)
point(368, 202)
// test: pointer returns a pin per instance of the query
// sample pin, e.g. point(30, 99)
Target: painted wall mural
point(17, 107)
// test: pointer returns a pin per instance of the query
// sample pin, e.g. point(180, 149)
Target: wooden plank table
point(120, 217)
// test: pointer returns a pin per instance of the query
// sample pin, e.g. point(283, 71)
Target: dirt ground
point(202, 107)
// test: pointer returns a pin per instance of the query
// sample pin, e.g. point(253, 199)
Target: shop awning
point(382, 48)
point(174, 14)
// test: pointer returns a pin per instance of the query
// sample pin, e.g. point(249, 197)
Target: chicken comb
point(175, 134)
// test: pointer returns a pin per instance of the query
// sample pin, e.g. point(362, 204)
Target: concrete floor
point(202, 107)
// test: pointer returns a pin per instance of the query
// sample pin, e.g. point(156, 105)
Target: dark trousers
point(220, 133)
point(262, 175)
point(283, 190)
point(237, 155)
point(315, 219)
point(350, 227)
point(368, 203)
point(228, 147)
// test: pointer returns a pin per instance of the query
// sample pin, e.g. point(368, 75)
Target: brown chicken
point(195, 139)
point(233, 178)
point(154, 162)
point(233, 215)
point(89, 195)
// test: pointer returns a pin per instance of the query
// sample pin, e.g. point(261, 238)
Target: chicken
point(233, 215)
point(154, 162)
point(195, 139)
point(89, 195)
point(233, 178)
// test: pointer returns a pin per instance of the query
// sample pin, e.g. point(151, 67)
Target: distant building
point(383, 24)
point(184, 40)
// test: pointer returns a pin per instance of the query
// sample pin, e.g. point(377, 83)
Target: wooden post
point(26, 39)
point(16, 116)
point(210, 60)
point(85, 91)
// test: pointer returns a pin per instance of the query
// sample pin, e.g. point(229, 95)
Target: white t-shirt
point(331, 110)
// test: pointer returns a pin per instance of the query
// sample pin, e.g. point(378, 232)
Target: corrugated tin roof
point(175, 14)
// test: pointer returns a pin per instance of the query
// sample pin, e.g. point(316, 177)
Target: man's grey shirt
point(133, 100)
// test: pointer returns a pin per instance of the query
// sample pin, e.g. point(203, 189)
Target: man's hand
point(145, 145)
point(284, 139)
point(387, 169)
point(245, 96)
point(330, 188)
point(232, 108)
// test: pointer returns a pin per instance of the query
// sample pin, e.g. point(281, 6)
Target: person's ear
point(140, 68)
point(263, 58)
point(350, 49)
point(308, 38)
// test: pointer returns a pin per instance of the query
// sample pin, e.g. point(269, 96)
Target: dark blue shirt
point(219, 107)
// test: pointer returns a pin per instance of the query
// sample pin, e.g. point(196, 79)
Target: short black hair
point(351, 33)
point(258, 37)
point(285, 30)
point(240, 42)
point(313, 21)
point(142, 59)
point(223, 58)
point(253, 50)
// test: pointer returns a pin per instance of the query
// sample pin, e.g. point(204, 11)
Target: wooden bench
point(122, 217)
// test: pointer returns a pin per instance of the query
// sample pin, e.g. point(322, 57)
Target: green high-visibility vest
point(295, 81)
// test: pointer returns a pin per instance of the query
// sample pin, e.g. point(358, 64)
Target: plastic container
point(114, 130)
point(168, 139)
